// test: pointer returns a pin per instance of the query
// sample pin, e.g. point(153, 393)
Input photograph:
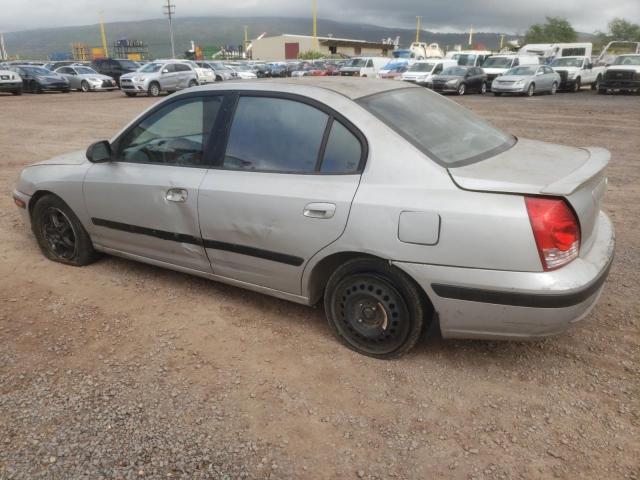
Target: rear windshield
point(440, 128)
point(422, 67)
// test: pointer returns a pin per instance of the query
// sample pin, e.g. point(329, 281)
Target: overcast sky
point(513, 16)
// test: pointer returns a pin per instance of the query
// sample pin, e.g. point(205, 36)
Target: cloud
point(490, 15)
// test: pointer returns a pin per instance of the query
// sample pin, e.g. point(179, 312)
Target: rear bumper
point(493, 304)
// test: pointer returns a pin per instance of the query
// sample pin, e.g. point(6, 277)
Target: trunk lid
point(537, 168)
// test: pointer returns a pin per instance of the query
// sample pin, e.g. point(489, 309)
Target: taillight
point(556, 230)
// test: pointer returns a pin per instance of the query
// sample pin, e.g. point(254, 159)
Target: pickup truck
point(577, 71)
point(622, 75)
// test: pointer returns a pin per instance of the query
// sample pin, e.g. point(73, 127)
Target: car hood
point(51, 78)
point(567, 69)
point(493, 71)
point(512, 78)
point(95, 75)
point(446, 78)
point(634, 68)
point(77, 157)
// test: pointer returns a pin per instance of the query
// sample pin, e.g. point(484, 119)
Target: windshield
point(37, 71)
point(86, 71)
point(497, 62)
point(627, 60)
point(422, 67)
point(403, 54)
point(567, 62)
point(455, 71)
point(465, 59)
point(524, 70)
point(151, 67)
point(356, 63)
point(443, 130)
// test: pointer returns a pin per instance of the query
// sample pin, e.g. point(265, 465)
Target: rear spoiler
point(598, 160)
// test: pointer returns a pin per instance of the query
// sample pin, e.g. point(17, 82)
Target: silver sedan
point(390, 204)
point(86, 79)
point(527, 80)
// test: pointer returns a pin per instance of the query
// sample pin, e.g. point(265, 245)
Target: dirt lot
point(122, 370)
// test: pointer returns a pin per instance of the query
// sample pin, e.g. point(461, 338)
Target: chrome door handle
point(319, 210)
point(177, 195)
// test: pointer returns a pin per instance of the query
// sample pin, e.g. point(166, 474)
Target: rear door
point(281, 191)
point(145, 201)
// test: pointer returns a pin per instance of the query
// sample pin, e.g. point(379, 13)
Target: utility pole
point(471, 36)
point(169, 10)
point(315, 24)
point(418, 19)
point(103, 36)
point(3, 50)
point(501, 41)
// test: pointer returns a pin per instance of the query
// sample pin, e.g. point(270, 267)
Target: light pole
point(169, 10)
point(418, 29)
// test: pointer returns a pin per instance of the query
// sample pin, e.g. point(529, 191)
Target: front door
point(145, 201)
point(282, 190)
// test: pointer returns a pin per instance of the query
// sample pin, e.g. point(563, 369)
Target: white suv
point(10, 82)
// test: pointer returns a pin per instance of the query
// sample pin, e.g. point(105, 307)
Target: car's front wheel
point(374, 308)
point(154, 89)
point(59, 233)
point(554, 88)
point(462, 88)
point(483, 88)
point(193, 83)
point(84, 86)
point(531, 90)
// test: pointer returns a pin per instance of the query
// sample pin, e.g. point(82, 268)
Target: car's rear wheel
point(17, 92)
point(602, 91)
point(531, 90)
point(84, 86)
point(483, 88)
point(374, 308)
point(59, 233)
point(554, 88)
point(462, 88)
point(154, 89)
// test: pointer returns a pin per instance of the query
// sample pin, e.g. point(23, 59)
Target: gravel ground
point(123, 370)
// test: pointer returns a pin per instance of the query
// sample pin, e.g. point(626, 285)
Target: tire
point(17, 92)
point(84, 86)
point(154, 89)
point(130, 94)
point(531, 90)
point(483, 88)
point(66, 91)
point(554, 88)
point(596, 85)
point(462, 89)
point(193, 83)
point(218, 78)
point(497, 94)
point(387, 303)
point(602, 91)
point(34, 87)
point(576, 86)
point(65, 240)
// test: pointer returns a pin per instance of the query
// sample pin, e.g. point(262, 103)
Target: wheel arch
point(324, 268)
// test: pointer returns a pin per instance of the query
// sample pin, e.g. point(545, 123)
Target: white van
point(469, 58)
point(364, 66)
point(422, 71)
point(550, 51)
point(497, 65)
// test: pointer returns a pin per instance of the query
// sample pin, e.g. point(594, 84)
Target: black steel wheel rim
point(372, 314)
point(59, 234)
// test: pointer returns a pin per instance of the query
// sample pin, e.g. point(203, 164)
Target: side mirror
point(99, 152)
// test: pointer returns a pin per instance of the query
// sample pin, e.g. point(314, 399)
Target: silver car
point(156, 77)
point(389, 203)
point(221, 71)
point(86, 79)
point(527, 80)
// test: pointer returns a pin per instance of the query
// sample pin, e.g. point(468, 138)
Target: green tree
point(555, 30)
point(310, 55)
point(621, 29)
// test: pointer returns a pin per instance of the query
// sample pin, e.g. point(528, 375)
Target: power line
point(169, 10)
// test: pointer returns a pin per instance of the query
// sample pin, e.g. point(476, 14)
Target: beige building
point(288, 47)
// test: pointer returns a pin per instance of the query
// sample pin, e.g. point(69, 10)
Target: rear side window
point(180, 67)
point(444, 131)
point(275, 135)
point(343, 152)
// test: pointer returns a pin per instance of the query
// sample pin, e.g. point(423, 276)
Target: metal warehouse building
point(287, 47)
